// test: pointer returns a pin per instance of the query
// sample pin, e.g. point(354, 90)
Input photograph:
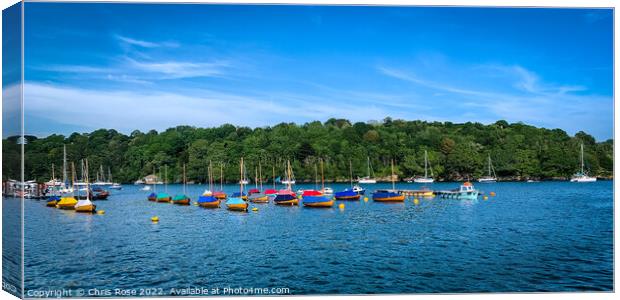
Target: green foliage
point(456, 151)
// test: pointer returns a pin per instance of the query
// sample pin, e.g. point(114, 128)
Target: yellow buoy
point(341, 205)
point(255, 209)
point(492, 194)
point(485, 197)
point(416, 201)
point(101, 212)
point(366, 199)
point(195, 203)
point(155, 219)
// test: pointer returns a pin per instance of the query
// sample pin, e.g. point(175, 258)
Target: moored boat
point(52, 201)
point(237, 203)
point(287, 196)
point(491, 177)
point(67, 203)
point(152, 197)
point(425, 179)
point(347, 194)
point(389, 195)
point(582, 176)
point(368, 179)
point(164, 197)
point(465, 192)
point(182, 199)
point(85, 205)
point(208, 201)
point(317, 201)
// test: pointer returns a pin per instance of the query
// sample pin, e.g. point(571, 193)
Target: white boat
point(139, 181)
point(116, 186)
point(367, 179)
point(327, 191)
point(425, 179)
point(582, 176)
point(207, 193)
point(358, 189)
point(146, 188)
point(491, 177)
point(244, 181)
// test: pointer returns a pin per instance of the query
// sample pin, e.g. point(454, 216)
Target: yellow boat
point(237, 206)
point(287, 202)
point(259, 199)
point(212, 204)
point(85, 206)
point(67, 203)
point(389, 197)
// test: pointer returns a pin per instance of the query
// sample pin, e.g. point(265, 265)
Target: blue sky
point(139, 66)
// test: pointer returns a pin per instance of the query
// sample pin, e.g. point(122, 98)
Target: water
point(549, 236)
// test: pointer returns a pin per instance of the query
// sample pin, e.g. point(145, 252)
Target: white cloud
point(179, 69)
point(145, 44)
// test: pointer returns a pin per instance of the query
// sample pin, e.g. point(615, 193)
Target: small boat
point(116, 186)
point(255, 195)
point(98, 193)
point(347, 194)
point(582, 176)
point(208, 201)
point(287, 196)
point(271, 192)
point(164, 197)
point(146, 188)
point(327, 191)
point(465, 192)
point(182, 199)
point(85, 205)
point(306, 193)
point(491, 177)
point(367, 179)
point(241, 195)
point(237, 203)
point(67, 203)
point(425, 179)
point(317, 201)
point(389, 195)
point(52, 201)
point(221, 194)
point(152, 197)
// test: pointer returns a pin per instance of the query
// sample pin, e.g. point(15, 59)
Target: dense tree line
point(455, 151)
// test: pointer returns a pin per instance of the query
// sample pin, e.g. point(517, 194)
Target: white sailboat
point(367, 179)
point(491, 177)
point(289, 180)
point(425, 179)
point(582, 176)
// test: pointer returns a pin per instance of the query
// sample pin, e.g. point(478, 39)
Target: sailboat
point(164, 197)
point(319, 200)
point(287, 196)
point(271, 193)
point(221, 194)
point(259, 197)
point(68, 202)
point(389, 195)
point(290, 178)
point(152, 196)
point(85, 205)
point(582, 176)
point(425, 179)
point(491, 177)
point(237, 203)
point(182, 199)
point(115, 185)
point(53, 199)
point(350, 193)
point(209, 201)
point(368, 179)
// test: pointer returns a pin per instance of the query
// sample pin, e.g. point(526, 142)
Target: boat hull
point(287, 202)
point(329, 203)
point(182, 202)
point(423, 180)
point(167, 199)
point(212, 204)
point(356, 197)
point(263, 199)
point(237, 206)
point(86, 208)
point(389, 198)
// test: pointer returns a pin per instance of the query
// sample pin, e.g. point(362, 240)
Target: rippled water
point(550, 236)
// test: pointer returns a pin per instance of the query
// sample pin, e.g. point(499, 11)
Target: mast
point(260, 175)
point(86, 179)
point(425, 164)
point(393, 184)
point(316, 178)
point(322, 177)
point(166, 178)
point(273, 178)
point(156, 177)
point(288, 174)
point(73, 180)
point(241, 181)
point(351, 173)
point(109, 175)
point(368, 166)
point(256, 178)
point(210, 171)
point(582, 159)
point(64, 165)
point(489, 165)
point(221, 176)
point(53, 177)
point(184, 188)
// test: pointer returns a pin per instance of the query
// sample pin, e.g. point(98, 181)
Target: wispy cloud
point(180, 69)
point(145, 44)
point(518, 95)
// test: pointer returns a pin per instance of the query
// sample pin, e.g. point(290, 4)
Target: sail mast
point(241, 181)
point(425, 164)
point(351, 173)
point(582, 158)
point(393, 184)
point(64, 165)
point(260, 175)
point(322, 177)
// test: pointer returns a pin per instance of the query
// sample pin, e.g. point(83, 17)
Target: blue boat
point(208, 201)
point(317, 201)
point(347, 194)
point(388, 196)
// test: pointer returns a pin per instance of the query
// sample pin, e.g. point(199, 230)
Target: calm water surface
point(550, 236)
